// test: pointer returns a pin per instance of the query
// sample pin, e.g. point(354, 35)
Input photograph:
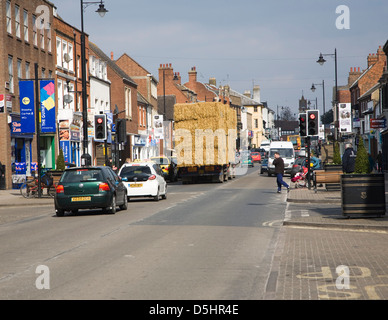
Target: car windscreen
point(131, 171)
point(284, 153)
point(160, 160)
point(82, 175)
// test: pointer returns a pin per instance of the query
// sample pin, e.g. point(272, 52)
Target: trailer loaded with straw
point(205, 140)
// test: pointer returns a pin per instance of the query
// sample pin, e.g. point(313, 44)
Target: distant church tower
point(302, 105)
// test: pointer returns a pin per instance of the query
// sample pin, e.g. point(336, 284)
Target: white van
point(265, 145)
point(286, 151)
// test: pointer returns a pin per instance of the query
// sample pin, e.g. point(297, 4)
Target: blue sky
point(273, 44)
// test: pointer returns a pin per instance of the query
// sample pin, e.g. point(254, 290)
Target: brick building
point(68, 81)
point(124, 96)
point(25, 40)
point(145, 146)
point(202, 91)
point(364, 96)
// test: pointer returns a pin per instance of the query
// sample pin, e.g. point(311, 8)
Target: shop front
point(21, 153)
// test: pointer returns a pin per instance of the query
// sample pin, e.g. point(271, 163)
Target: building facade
point(27, 45)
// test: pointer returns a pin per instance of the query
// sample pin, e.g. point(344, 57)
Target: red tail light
point(60, 189)
point(153, 177)
point(103, 187)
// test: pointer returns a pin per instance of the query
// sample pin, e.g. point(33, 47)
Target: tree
point(327, 117)
point(60, 163)
point(336, 155)
point(362, 159)
point(287, 114)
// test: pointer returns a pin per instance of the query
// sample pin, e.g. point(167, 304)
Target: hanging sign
point(27, 105)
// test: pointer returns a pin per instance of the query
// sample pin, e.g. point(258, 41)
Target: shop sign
point(65, 146)
point(345, 120)
point(139, 141)
point(378, 123)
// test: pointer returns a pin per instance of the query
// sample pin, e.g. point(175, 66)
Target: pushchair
point(300, 178)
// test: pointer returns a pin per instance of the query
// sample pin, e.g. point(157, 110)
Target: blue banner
point(65, 146)
point(27, 107)
point(47, 101)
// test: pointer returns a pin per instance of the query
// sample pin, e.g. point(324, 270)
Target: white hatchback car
point(143, 179)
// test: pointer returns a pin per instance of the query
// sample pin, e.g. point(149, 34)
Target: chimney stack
point(193, 75)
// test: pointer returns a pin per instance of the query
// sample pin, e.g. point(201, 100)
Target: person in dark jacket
point(279, 171)
point(348, 159)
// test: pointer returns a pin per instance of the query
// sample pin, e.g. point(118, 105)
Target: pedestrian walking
point(348, 159)
point(379, 161)
point(279, 171)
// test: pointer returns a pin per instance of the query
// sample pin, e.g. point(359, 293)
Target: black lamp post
point(323, 87)
point(321, 61)
point(86, 159)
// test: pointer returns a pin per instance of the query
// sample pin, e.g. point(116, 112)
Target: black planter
point(363, 194)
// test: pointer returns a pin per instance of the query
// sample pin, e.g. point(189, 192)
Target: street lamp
point(323, 87)
point(86, 159)
point(321, 61)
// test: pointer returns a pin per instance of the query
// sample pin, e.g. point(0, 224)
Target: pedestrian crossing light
point(302, 125)
point(100, 127)
point(313, 122)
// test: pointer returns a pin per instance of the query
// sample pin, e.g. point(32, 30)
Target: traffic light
point(313, 122)
point(100, 127)
point(121, 131)
point(302, 125)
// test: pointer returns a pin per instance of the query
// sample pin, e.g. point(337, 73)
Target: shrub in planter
point(362, 192)
point(337, 156)
point(60, 163)
point(362, 159)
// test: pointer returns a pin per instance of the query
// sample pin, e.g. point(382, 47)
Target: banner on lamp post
point(47, 102)
point(27, 106)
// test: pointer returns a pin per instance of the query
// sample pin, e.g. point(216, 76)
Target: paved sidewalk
point(13, 198)
point(322, 255)
point(335, 218)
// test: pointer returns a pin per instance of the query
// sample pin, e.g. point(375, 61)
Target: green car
point(247, 160)
point(90, 188)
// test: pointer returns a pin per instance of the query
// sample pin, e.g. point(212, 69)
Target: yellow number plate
point(75, 199)
point(136, 185)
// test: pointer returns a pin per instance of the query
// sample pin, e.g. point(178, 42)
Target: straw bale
point(207, 124)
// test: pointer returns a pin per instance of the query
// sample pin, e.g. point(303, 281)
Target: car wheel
point(60, 212)
point(112, 208)
point(124, 206)
point(74, 211)
point(157, 197)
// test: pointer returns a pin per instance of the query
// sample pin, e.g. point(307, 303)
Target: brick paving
point(316, 240)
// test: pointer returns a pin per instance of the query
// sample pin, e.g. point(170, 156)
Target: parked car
point(297, 166)
point(247, 160)
point(143, 179)
point(302, 161)
point(164, 164)
point(264, 165)
point(90, 188)
point(256, 156)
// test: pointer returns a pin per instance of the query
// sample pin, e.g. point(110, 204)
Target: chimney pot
point(351, 69)
point(111, 55)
